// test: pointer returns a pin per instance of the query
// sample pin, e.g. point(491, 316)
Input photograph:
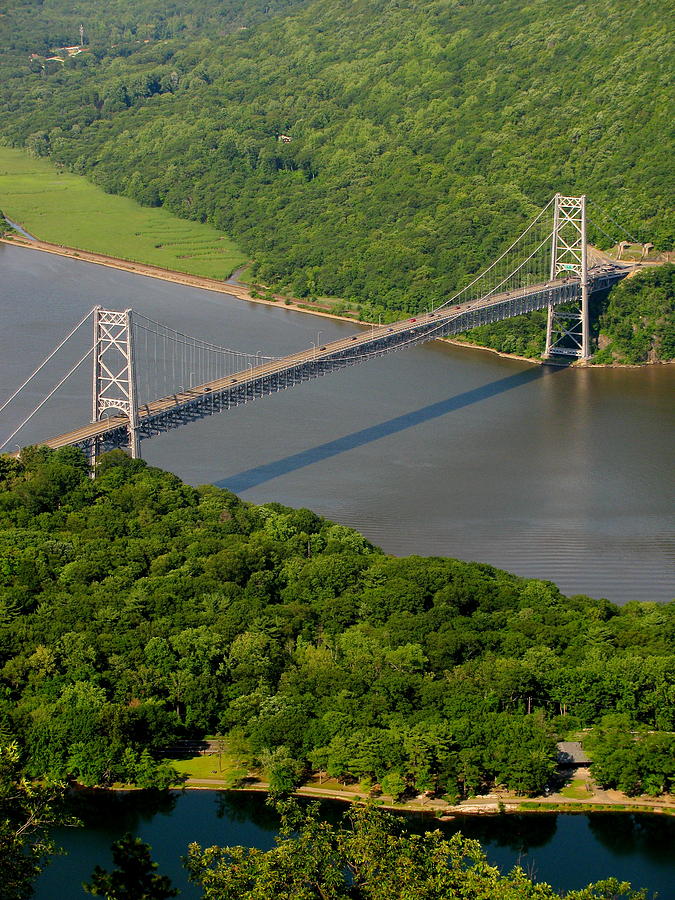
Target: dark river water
point(567, 851)
point(557, 474)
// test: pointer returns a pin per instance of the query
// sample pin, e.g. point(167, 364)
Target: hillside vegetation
point(116, 27)
point(421, 136)
point(638, 324)
point(136, 610)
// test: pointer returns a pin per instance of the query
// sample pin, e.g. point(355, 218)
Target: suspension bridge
point(148, 378)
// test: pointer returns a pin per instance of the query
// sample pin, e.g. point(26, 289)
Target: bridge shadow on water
point(251, 478)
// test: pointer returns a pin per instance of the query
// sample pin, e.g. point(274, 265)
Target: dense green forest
point(136, 610)
point(637, 325)
point(116, 27)
point(378, 151)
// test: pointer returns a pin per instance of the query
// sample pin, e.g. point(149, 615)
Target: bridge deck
point(213, 396)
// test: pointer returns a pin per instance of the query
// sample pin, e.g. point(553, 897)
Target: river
point(551, 473)
point(567, 851)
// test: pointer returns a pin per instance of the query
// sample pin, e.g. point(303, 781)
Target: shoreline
point(241, 293)
point(441, 810)
point(170, 275)
point(210, 284)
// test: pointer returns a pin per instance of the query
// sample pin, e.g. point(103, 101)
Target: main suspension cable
point(179, 337)
point(607, 215)
point(499, 258)
point(49, 396)
point(518, 268)
point(46, 360)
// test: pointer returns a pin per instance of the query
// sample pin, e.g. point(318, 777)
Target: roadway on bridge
point(419, 327)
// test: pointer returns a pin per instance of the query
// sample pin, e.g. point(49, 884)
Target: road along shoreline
point(235, 290)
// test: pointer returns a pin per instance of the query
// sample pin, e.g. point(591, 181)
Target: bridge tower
point(114, 377)
point(567, 328)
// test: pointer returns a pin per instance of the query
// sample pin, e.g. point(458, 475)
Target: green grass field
point(576, 790)
point(227, 768)
point(66, 209)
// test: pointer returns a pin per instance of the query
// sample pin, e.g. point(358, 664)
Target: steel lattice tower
point(567, 328)
point(114, 376)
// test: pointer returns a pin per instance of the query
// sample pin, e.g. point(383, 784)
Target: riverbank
point(576, 791)
point(492, 804)
point(234, 289)
point(487, 805)
point(150, 271)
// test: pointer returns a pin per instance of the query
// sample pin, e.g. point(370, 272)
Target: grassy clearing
point(577, 790)
point(226, 768)
point(66, 209)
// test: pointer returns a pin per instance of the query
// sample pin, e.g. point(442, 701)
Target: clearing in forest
point(62, 208)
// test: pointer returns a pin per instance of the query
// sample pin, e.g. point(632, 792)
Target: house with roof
point(571, 755)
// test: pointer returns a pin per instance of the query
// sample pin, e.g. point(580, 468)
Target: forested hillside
point(379, 151)
point(638, 322)
point(135, 610)
point(116, 27)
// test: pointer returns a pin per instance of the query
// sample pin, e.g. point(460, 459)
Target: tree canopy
point(136, 610)
point(381, 152)
point(28, 810)
point(370, 857)
point(135, 876)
